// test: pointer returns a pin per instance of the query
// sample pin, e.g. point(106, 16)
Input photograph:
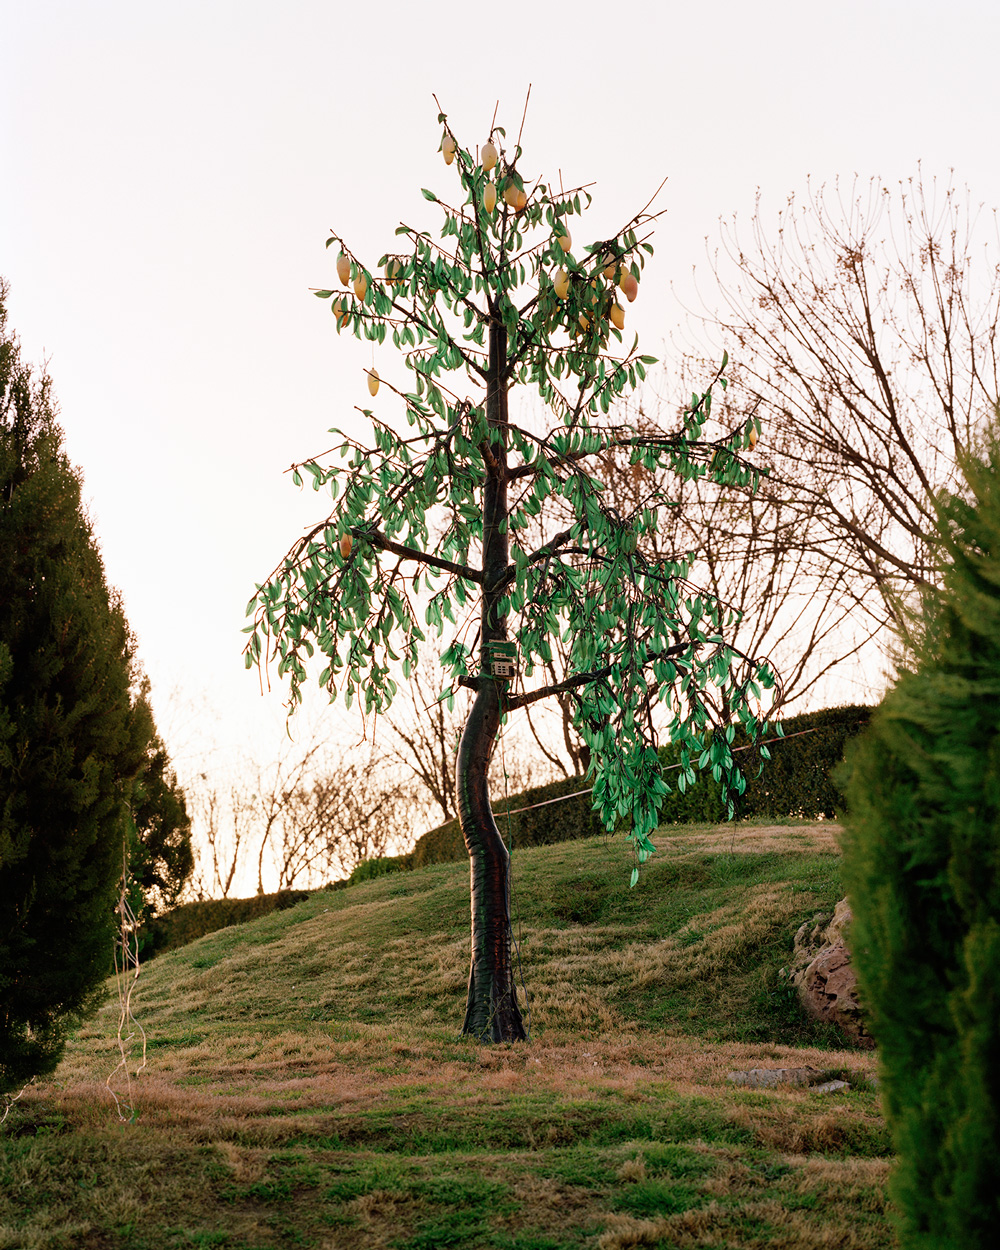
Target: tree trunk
point(492, 1014)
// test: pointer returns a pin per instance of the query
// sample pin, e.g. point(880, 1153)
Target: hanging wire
point(667, 768)
point(126, 976)
point(10, 1099)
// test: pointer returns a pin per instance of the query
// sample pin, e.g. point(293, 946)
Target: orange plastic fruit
point(629, 285)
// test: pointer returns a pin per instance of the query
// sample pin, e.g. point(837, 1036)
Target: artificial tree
point(429, 521)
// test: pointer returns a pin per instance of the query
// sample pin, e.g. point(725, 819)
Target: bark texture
point(492, 1013)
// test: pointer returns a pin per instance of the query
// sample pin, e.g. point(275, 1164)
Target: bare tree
point(305, 818)
point(223, 819)
point(558, 730)
point(291, 827)
point(420, 736)
point(323, 816)
point(863, 328)
point(423, 738)
point(746, 550)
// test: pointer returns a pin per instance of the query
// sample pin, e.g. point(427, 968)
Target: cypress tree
point(922, 859)
point(73, 735)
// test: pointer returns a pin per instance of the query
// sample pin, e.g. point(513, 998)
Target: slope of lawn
point(305, 1083)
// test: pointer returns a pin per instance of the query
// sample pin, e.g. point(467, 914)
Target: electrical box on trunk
point(501, 660)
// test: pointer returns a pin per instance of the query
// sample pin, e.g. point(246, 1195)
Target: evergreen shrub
point(73, 736)
point(800, 777)
point(922, 864)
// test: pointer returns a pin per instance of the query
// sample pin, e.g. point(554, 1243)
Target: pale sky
point(169, 173)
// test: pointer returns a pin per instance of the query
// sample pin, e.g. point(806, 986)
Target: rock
point(766, 1078)
point(826, 980)
point(814, 1079)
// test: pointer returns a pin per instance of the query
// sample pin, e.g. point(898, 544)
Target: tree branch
point(379, 540)
point(573, 683)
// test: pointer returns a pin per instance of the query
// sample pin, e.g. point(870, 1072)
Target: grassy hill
point(305, 1084)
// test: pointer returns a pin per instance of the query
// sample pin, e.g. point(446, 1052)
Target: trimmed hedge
point(369, 869)
point(796, 781)
point(190, 921)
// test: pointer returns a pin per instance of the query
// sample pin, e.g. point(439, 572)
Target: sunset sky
point(169, 173)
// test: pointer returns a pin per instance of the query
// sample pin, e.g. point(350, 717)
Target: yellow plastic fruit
point(610, 266)
point(344, 269)
point(584, 321)
point(393, 269)
point(629, 285)
point(521, 202)
point(373, 381)
point(560, 283)
point(618, 316)
point(361, 286)
point(510, 193)
point(489, 155)
point(448, 148)
point(341, 313)
point(565, 239)
point(752, 438)
point(490, 197)
point(346, 543)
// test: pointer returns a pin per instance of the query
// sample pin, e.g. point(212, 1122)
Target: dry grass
point(818, 837)
point(305, 1086)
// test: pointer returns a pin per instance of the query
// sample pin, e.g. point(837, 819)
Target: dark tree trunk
point(492, 1014)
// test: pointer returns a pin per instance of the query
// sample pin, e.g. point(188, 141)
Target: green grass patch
point(305, 1085)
